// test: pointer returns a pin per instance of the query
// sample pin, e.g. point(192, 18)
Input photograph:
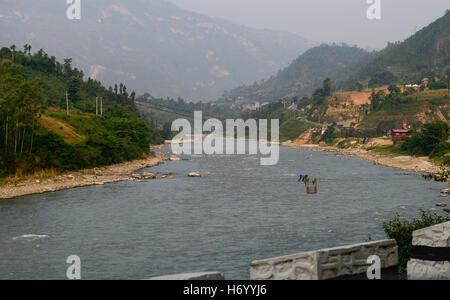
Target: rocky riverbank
point(97, 176)
point(410, 163)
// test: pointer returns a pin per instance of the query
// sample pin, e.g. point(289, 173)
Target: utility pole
point(67, 102)
point(96, 106)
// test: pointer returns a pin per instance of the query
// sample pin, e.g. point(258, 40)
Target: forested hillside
point(35, 130)
point(301, 77)
point(425, 54)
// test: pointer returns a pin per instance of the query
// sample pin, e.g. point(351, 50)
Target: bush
point(431, 141)
point(401, 231)
point(329, 135)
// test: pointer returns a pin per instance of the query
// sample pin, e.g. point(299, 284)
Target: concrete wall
point(434, 239)
point(325, 263)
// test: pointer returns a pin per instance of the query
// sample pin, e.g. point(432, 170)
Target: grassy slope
point(422, 106)
point(68, 133)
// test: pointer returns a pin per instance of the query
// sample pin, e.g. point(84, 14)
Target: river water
point(237, 212)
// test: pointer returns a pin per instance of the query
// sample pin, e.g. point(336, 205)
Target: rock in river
point(194, 174)
point(147, 175)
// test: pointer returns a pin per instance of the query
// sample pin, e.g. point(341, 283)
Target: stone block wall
point(326, 263)
point(430, 253)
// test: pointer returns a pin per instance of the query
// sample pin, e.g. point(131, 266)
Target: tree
point(73, 87)
point(27, 49)
point(13, 50)
point(382, 78)
point(67, 67)
point(19, 108)
point(425, 142)
point(327, 87)
point(377, 99)
point(394, 91)
point(5, 53)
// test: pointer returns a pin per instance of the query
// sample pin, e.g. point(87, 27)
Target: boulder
point(148, 175)
point(445, 191)
point(441, 205)
point(194, 174)
point(174, 158)
point(98, 172)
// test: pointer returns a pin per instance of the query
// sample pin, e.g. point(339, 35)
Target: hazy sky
point(327, 20)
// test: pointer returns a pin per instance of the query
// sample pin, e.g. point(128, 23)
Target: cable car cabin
point(399, 134)
point(311, 188)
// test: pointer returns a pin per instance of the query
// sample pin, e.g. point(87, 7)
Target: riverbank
point(407, 163)
point(73, 179)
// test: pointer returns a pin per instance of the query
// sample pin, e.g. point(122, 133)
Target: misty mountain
point(426, 53)
point(150, 45)
point(303, 75)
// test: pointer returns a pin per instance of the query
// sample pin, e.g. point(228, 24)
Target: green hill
point(36, 132)
point(301, 77)
point(425, 54)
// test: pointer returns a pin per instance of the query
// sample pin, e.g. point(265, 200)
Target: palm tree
point(27, 48)
point(13, 49)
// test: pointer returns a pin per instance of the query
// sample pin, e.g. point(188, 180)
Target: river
point(237, 212)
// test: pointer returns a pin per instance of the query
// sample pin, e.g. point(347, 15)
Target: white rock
point(174, 158)
point(194, 174)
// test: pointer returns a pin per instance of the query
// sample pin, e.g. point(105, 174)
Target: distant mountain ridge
point(304, 75)
point(426, 53)
point(151, 45)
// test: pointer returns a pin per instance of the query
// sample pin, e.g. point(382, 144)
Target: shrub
point(431, 141)
point(401, 231)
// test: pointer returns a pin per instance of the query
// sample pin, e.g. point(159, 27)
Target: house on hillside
point(425, 82)
point(399, 134)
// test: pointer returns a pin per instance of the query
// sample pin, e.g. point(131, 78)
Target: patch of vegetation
point(421, 55)
point(382, 78)
point(402, 231)
point(292, 129)
point(431, 141)
point(35, 131)
point(388, 150)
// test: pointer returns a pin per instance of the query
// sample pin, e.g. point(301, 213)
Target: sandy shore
point(97, 176)
point(410, 163)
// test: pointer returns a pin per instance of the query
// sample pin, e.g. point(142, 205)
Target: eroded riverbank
point(408, 163)
point(73, 179)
